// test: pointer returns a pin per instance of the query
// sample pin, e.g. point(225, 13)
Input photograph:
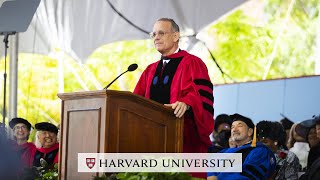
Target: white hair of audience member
point(37, 142)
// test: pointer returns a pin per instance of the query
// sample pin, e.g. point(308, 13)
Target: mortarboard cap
point(17, 120)
point(238, 117)
point(45, 126)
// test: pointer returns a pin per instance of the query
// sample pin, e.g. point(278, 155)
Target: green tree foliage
point(109, 61)
point(245, 44)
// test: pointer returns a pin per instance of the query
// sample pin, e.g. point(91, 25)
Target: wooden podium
point(113, 121)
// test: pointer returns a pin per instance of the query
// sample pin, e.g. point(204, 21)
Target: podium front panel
point(113, 121)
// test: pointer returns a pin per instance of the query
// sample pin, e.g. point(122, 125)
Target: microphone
point(132, 67)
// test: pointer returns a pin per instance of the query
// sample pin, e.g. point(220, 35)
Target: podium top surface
point(111, 93)
point(95, 93)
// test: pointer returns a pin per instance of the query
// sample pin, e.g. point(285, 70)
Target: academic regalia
point(185, 78)
point(17, 120)
point(257, 163)
point(50, 155)
point(25, 152)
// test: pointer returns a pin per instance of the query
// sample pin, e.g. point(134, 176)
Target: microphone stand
point(114, 80)
point(6, 41)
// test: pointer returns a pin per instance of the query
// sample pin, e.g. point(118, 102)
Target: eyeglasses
point(159, 33)
point(20, 127)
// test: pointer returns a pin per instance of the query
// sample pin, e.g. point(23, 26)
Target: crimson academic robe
point(25, 152)
point(186, 80)
point(51, 155)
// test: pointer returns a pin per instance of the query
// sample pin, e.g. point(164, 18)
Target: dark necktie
point(163, 66)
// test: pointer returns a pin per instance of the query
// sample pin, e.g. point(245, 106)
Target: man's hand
point(179, 108)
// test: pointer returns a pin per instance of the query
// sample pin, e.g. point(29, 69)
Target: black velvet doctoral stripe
point(161, 84)
point(264, 169)
point(49, 157)
point(254, 171)
point(206, 94)
point(208, 107)
point(248, 175)
point(245, 152)
point(203, 82)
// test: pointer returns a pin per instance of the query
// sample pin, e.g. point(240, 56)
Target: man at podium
point(181, 81)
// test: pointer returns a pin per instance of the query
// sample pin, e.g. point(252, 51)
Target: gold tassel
point(254, 139)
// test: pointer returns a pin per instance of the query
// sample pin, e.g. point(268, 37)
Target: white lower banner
point(159, 162)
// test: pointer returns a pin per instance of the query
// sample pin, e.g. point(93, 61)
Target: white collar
point(167, 60)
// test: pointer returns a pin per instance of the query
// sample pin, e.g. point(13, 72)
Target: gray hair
point(37, 142)
point(174, 25)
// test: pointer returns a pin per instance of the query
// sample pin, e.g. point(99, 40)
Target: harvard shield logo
point(90, 162)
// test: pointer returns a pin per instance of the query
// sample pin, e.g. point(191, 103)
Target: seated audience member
point(312, 138)
point(297, 143)
point(287, 124)
point(313, 169)
point(273, 135)
point(49, 150)
point(314, 143)
point(222, 122)
point(258, 161)
point(221, 133)
point(21, 130)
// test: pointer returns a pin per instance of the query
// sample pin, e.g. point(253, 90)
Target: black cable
point(215, 61)
point(128, 21)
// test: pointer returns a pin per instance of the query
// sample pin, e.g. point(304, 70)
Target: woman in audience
point(273, 135)
point(297, 143)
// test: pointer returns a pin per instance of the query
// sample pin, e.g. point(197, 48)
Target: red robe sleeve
point(27, 151)
point(197, 91)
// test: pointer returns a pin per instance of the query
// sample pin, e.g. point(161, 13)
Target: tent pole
point(13, 76)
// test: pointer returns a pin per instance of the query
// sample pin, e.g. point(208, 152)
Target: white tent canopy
point(78, 27)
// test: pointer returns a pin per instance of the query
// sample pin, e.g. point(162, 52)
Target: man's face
point(165, 39)
point(21, 131)
point(47, 139)
point(240, 132)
